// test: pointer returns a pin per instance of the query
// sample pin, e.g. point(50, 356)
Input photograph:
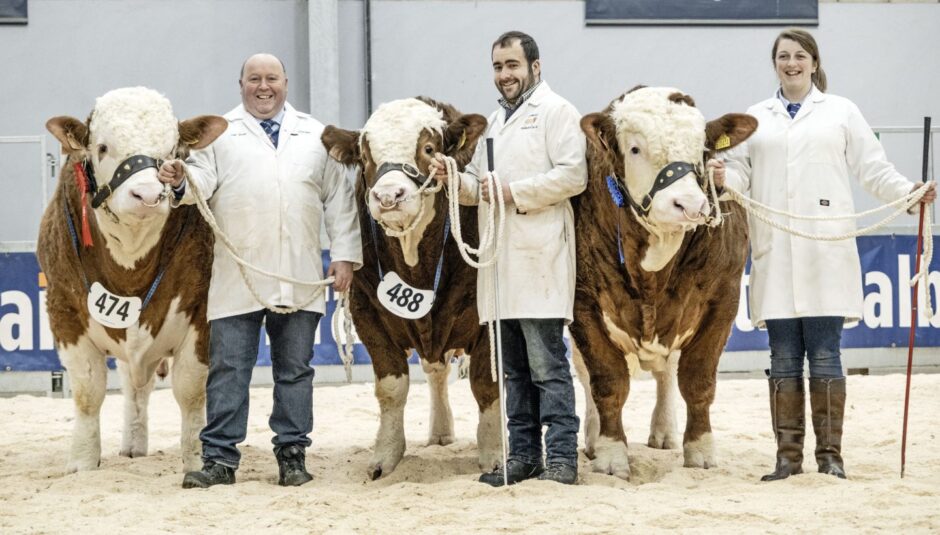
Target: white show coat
point(540, 152)
point(803, 166)
point(271, 202)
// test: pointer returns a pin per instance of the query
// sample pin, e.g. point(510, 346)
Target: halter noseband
point(409, 170)
point(667, 176)
point(124, 171)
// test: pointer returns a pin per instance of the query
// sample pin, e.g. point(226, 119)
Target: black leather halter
point(124, 171)
point(667, 176)
point(409, 170)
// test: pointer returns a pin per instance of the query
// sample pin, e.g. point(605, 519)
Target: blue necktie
point(271, 128)
point(791, 109)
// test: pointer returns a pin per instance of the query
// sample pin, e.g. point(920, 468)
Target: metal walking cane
point(491, 166)
point(910, 342)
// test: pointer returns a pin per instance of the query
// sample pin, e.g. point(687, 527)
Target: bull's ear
point(729, 130)
point(461, 136)
point(599, 131)
point(199, 132)
point(71, 133)
point(343, 145)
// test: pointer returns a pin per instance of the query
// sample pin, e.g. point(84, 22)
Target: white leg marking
point(136, 398)
point(592, 421)
point(88, 379)
point(610, 457)
point(189, 389)
point(700, 453)
point(664, 429)
point(490, 438)
point(391, 392)
point(441, 430)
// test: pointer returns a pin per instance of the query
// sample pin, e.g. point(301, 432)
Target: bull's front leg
point(189, 389)
point(391, 390)
point(88, 375)
point(136, 387)
point(664, 430)
point(441, 430)
point(486, 392)
point(592, 422)
point(610, 385)
point(698, 370)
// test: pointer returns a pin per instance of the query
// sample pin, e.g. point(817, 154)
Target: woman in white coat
point(800, 159)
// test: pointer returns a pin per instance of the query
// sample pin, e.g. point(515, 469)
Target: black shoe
point(518, 471)
point(565, 474)
point(291, 469)
point(212, 473)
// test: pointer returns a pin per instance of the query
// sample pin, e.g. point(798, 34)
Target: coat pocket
point(538, 229)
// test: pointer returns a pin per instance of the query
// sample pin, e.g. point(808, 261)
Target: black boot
point(827, 401)
point(212, 473)
point(788, 416)
point(291, 466)
point(517, 471)
point(566, 474)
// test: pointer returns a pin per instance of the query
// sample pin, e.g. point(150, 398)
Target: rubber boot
point(788, 417)
point(827, 400)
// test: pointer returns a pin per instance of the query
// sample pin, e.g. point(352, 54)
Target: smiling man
point(270, 183)
point(539, 157)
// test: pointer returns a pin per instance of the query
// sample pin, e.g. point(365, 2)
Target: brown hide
point(696, 291)
point(453, 322)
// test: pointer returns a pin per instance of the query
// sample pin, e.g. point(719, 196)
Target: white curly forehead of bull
point(134, 120)
point(393, 130)
point(673, 130)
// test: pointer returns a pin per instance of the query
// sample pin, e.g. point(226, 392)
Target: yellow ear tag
point(463, 139)
point(723, 142)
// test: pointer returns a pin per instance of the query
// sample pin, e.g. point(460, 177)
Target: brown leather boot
point(827, 400)
point(788, 416)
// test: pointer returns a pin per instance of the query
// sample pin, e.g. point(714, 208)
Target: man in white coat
point(270, 184)
point(539, 157)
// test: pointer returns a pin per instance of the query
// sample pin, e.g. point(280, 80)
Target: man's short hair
point(529, 47)
point(241, 73)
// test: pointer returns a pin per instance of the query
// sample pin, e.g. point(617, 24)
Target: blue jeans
point(539, 391)
point(233, 352)
point(816, 338)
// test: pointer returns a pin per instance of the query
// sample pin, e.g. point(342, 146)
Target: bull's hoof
point(610, 457)
point(82, 465)
point(133, 453)
point(375, 473)
point(700, 453)
point(440, 440)
point(663, 441)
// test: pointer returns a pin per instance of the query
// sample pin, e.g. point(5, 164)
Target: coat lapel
point(533, 102)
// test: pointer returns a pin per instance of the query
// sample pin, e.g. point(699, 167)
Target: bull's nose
point(693, 206)
point(388, 198)
point(150, 195)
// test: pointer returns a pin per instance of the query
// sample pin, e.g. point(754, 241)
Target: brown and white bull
point(657, 289)
point(393, 151)
point(128, 276)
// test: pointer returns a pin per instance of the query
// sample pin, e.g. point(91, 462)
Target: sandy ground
point(434, 489)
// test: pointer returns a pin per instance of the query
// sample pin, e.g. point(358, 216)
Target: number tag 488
point(112, 310)
point(403, 300)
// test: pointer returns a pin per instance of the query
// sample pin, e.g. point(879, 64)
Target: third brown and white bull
point(656, 288)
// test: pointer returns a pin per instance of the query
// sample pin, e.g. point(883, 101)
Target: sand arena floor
point(434, 489)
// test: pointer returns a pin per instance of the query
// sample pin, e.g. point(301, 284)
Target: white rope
point(761, 211)
point(346, 348)
point(491, 240)
point(244, 266)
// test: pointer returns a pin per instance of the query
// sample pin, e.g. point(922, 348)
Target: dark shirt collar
point(512, 107)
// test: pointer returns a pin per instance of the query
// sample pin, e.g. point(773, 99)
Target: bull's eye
point(102, 150)
point(635, 150)
point(429, 149)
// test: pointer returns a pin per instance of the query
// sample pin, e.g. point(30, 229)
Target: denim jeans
point(539, 391)
point(233, 352)
point(816, 338)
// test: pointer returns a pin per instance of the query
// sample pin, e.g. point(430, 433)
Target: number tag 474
point(403, 300)
point(112, 310)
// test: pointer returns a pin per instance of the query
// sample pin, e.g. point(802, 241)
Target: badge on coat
point(403, 300)
point(112, 310)
point(531, 122)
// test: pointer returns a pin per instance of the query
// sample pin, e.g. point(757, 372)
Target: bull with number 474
point(414, 291)
point(128, 277)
